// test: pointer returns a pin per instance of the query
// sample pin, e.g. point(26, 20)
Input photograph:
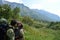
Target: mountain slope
point(36, 14)
point(47, 15)
point(1, 2)
point(31, 33)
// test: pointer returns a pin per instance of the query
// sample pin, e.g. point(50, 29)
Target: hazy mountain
point(47, 15)
point(34, 13)
point(1, 1)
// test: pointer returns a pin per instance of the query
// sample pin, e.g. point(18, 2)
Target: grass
point(31, 33)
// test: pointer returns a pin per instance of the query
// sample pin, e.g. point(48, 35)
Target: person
point(3, 28)
point(14, 24)
point(20, 26)
point(17, 29)
point(6, 33)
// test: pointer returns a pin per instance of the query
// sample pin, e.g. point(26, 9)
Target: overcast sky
point(52, 6)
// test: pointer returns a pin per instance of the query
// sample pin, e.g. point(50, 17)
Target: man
point(20, 26)
point(3, 28)
point(18, 29)
point(6, 33)
point(10, 33)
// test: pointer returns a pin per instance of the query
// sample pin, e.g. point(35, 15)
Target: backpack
point(18, 34)
point(4, 26)
point(3, 29)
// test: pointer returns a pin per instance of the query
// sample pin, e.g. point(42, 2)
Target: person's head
point(13, 22)
point(20, 26)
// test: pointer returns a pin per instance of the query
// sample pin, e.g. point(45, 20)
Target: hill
point(47, 16)
point(33, 13)
point(32, 33)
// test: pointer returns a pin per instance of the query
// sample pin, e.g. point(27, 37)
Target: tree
point(27, 20)
point(7, 12)
point(16, 12)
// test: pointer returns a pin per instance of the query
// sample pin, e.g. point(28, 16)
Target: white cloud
point(36, 6)
point(18, 1)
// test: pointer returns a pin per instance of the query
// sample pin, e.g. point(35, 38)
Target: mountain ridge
point(34, 13)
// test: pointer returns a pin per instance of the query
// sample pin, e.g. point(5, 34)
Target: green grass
point(31, 33)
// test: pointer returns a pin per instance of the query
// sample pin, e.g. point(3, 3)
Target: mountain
point(47, 15)
point(1, 1)
point(33, 13)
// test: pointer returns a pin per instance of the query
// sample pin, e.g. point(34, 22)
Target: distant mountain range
point(33, 13)
point(1, 2)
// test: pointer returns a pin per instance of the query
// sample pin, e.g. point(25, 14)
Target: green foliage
point(40, 31)
point(32, 33)
point(54, 25)
point(16, 12)
point(4, 11)
point(27, 20)
point(7, 12)
point(38, 24)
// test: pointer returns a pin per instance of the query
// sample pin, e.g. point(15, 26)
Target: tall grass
point(31, 33)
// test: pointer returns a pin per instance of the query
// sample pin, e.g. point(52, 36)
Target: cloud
point(18, 1)
point(52, 6)
point(36, 6)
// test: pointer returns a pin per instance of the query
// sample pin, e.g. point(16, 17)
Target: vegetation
point(32, 33)
point(7, 12)
point(33, 29)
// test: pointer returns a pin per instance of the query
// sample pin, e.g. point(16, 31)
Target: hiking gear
point(6, 31)
point(18, 34)
point(10, 34)
point(3, 29)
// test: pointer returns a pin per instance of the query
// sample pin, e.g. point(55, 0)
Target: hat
point(3, 20)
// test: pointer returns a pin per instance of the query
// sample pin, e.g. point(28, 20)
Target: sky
point(18, 1)
point(52, 6)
